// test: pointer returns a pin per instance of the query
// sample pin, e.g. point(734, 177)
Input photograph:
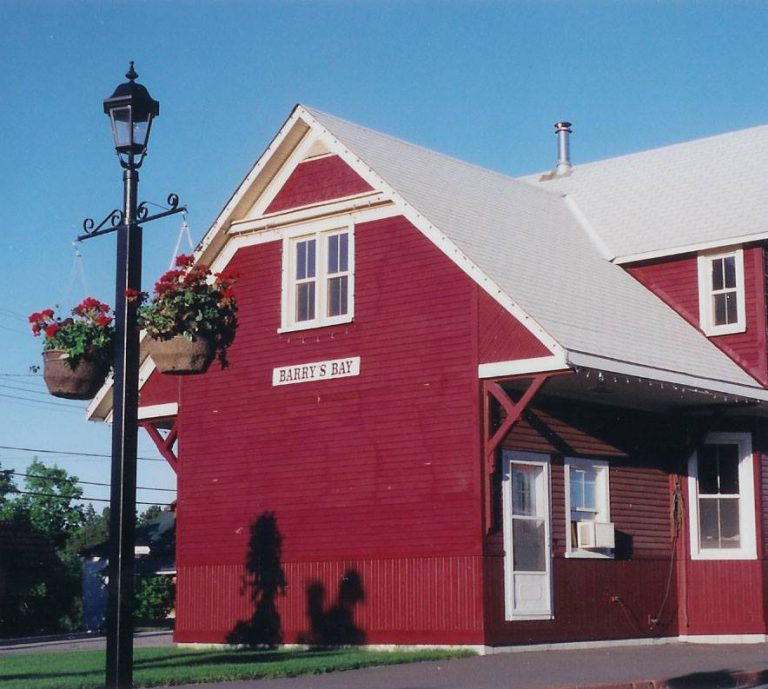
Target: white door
point(527, 550)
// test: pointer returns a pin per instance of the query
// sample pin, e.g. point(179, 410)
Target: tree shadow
point(266, 580)
point(334, 626)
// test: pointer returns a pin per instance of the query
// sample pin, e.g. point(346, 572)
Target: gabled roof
point(532, 244)
point(704, 193)
point(543, 250)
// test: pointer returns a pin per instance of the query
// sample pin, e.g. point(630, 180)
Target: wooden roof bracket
point(165, 444)
point(493, 439)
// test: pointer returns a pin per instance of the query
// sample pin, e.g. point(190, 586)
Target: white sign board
point(316, 370)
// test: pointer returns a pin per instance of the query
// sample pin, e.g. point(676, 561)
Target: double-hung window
point(318, 279)
point(722, 498)
point(721, 292)
point(589, 531)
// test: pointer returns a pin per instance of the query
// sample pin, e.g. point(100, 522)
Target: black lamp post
point(131, 110)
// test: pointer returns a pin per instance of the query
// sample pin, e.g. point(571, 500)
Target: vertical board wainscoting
point(412, 600)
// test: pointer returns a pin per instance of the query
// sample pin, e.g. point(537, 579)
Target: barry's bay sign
point(316, 370)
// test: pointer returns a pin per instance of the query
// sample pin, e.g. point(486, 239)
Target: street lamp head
point(131, 110)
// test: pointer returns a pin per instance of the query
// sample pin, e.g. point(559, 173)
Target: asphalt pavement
point(673, 665)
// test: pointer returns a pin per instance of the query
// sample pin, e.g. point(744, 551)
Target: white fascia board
point(158, 411)
point(247, 182)
point(351, 204)
point(432, 233)
point(692, 248)
point(539, 364)
point(624, 368)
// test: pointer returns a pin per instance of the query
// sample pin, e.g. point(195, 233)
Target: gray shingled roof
point(528, 242)
point(699, 192)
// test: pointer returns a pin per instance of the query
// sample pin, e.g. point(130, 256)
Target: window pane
point(301, 260)
point(709, 482)
point(721, 309)
point(343, 252)
point(311, 258)
point(524, 490)
point(719, 523)
point(333, 254)
point(528, 545)
point(337, 296)
point(719, 470)
point(729, 272)
point(583, 489)
point(730, 307)
point(305, 301)
point(305, 259)
point(728, 466)
point(717, 274)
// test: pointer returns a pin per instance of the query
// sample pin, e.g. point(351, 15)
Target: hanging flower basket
point(77, 351)
point(80, 382)
point(180, 356)
point(191, 318)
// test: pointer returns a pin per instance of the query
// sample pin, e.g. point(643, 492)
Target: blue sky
point(483, 81)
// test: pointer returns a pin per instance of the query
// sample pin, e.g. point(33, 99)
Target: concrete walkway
point(671, 665)
point(667, 666)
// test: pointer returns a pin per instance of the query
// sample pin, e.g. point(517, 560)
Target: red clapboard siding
point(412, 600)
point(382, 466)
point(676, 282)
point(317, 180)
point(598, 599)
point(585, 602)
point(503, 338)
point(159, 389)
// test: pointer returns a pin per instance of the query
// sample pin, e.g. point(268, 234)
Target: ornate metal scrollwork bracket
point(115, 219)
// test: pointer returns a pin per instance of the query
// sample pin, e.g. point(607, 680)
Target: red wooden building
point(469, 409)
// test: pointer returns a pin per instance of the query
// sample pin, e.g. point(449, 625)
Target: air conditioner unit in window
point(595, 535)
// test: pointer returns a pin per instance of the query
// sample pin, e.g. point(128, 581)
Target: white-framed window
point(589, 531)
point(318, 278)
point(721, 498)
point(527, 537)
point(721, 292)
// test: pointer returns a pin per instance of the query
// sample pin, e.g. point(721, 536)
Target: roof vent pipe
point(563, 131)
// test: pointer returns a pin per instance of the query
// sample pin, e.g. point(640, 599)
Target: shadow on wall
point(266, 580)
point(335, 625)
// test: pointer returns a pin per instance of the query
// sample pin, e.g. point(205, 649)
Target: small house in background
point(154, 551)
point(469, 409)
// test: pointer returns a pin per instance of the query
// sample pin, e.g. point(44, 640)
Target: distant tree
point(151, 513)
point(41, 596)
point(94, 530)
point(47, 503)
point(7, 485)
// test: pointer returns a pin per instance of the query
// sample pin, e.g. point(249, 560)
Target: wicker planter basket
point(79, 383)
point(180, 356)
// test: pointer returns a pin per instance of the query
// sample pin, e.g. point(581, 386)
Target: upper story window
point(318, 279)
point(721, 293)
point(589, 531)
point(722, 499)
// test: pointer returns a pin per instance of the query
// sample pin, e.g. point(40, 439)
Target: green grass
point(157, 667)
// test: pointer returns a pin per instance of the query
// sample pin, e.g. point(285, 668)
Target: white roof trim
point(158, 411)
point(498, 369)
point(692, 248)
point(580, 359)
point(578, 214)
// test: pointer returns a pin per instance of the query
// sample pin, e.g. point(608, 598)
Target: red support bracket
point(492, 440)
point(514, 411)
point(165, 444)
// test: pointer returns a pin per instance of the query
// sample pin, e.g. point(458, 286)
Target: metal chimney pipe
point(563, 131)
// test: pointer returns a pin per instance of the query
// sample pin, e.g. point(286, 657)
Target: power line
point(90, 483)
point(71, 454)
point(69, 497)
